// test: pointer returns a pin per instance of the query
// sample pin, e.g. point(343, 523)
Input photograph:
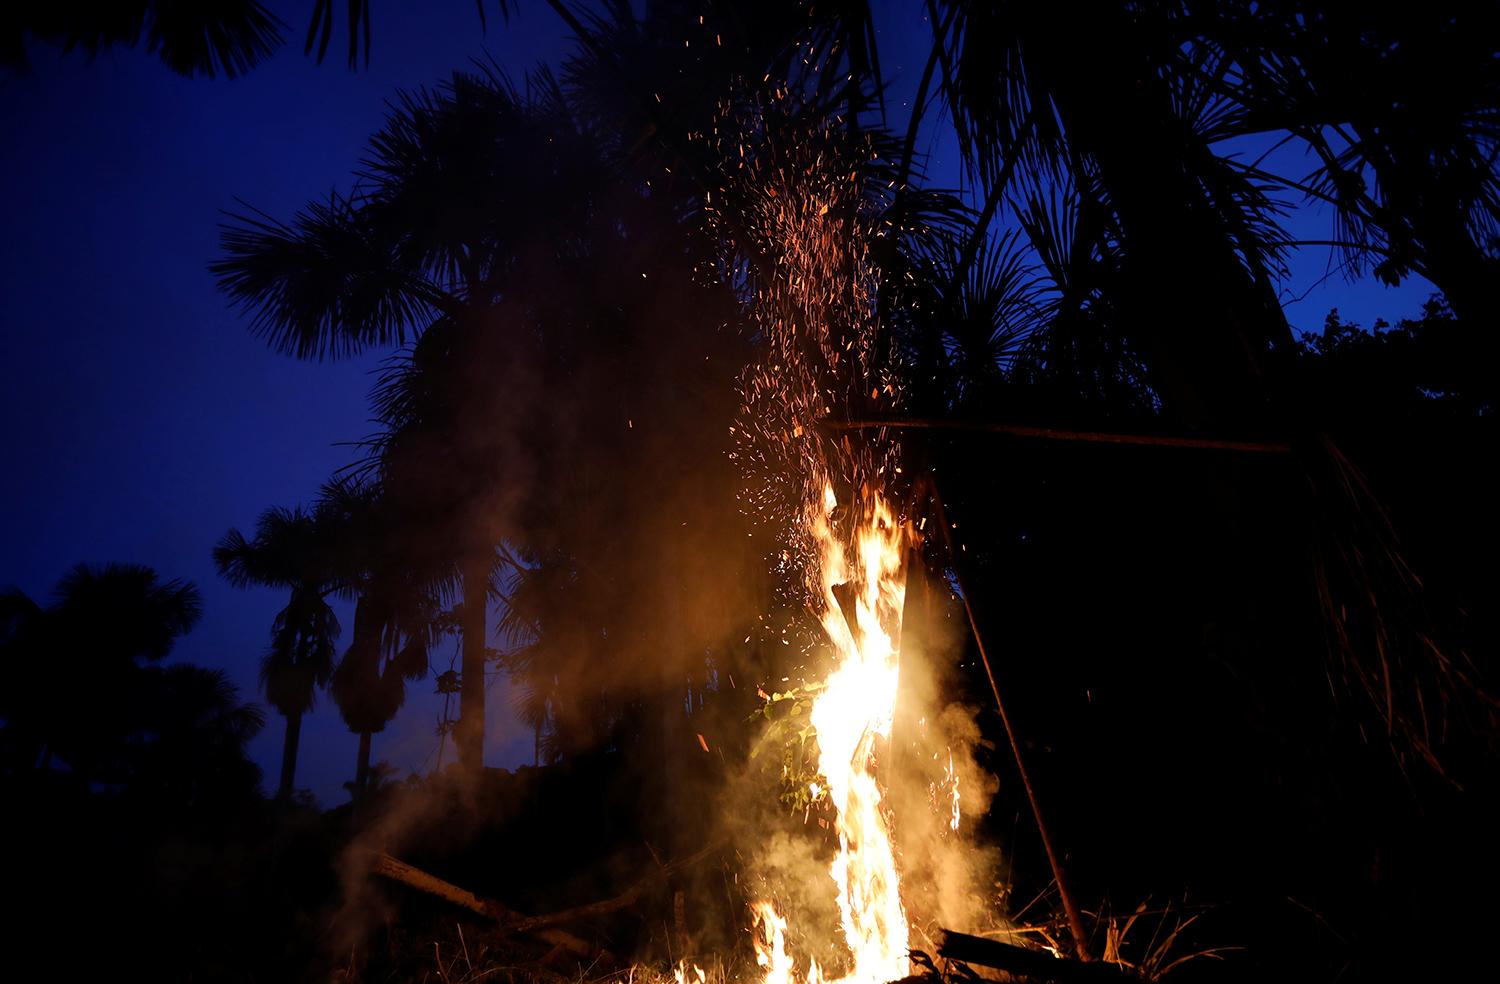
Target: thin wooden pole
point(1054, 860)
point(1059, 434)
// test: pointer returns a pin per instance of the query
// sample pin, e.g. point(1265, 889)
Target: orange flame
point(852, 713)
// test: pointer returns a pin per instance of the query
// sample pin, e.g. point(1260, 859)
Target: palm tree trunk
point(1206, 324)
point(362, 768)
point(469, 735)
point(289, 755)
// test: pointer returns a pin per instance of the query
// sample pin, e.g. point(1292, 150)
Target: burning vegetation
point(890, 581)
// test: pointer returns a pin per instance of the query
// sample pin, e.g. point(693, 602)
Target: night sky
point(142, 419)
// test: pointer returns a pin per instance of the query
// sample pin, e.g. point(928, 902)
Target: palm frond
point(128, 608)
point(192, 39)
point(323, 285)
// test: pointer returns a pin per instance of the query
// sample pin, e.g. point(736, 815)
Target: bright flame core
point(862, 597)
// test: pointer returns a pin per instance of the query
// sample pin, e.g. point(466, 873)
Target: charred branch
point(1032, 965)
point(626, 899)
point(544, 927)
point(506, 918)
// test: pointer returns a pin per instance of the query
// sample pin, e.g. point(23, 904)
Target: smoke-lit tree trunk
point(469, 736)
point(289, 745)
point(362, 768)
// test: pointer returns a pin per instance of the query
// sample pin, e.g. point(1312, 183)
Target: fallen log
point(508, 919)
point(543, 927)
point(606, 906)
point(1033, 965)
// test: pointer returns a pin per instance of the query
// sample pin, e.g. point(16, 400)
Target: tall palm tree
point(397, 615)
point(536, 251)
point(389, 648)
point(455, 195)
point(291, 550)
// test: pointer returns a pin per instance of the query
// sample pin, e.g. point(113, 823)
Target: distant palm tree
point(457, 190)
point(102, 627)
point(369, 685)
point(196, 758)
point(291, 550)
point(397, 617)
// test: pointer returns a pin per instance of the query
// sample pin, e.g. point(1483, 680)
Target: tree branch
point(1058, 434)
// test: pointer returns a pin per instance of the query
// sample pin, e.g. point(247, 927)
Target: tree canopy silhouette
point(292, 551)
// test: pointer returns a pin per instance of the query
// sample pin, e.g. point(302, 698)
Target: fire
point(955, 814)
point(852, 716)
point(800, 206)
point(855, 710)
point(770, 947)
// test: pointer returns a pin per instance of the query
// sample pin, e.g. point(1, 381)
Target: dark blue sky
point(143, 420)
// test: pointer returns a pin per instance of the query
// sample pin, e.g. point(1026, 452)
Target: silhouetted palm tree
point(1398, 107)
point(543, 262)
point(190, 38)
point(1400, 113)
point(293, 551)
point(196, 757)
point(459, 188)
point(103, 626)
point(397, 615)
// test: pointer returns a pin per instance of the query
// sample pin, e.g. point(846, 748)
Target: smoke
point(949, 874)
point(394, 821)
point(602, 431)
point(938, 793)
point(803, 220)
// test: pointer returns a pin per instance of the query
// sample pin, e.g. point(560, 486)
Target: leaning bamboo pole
point(1054, 859)
point(1061, 434)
